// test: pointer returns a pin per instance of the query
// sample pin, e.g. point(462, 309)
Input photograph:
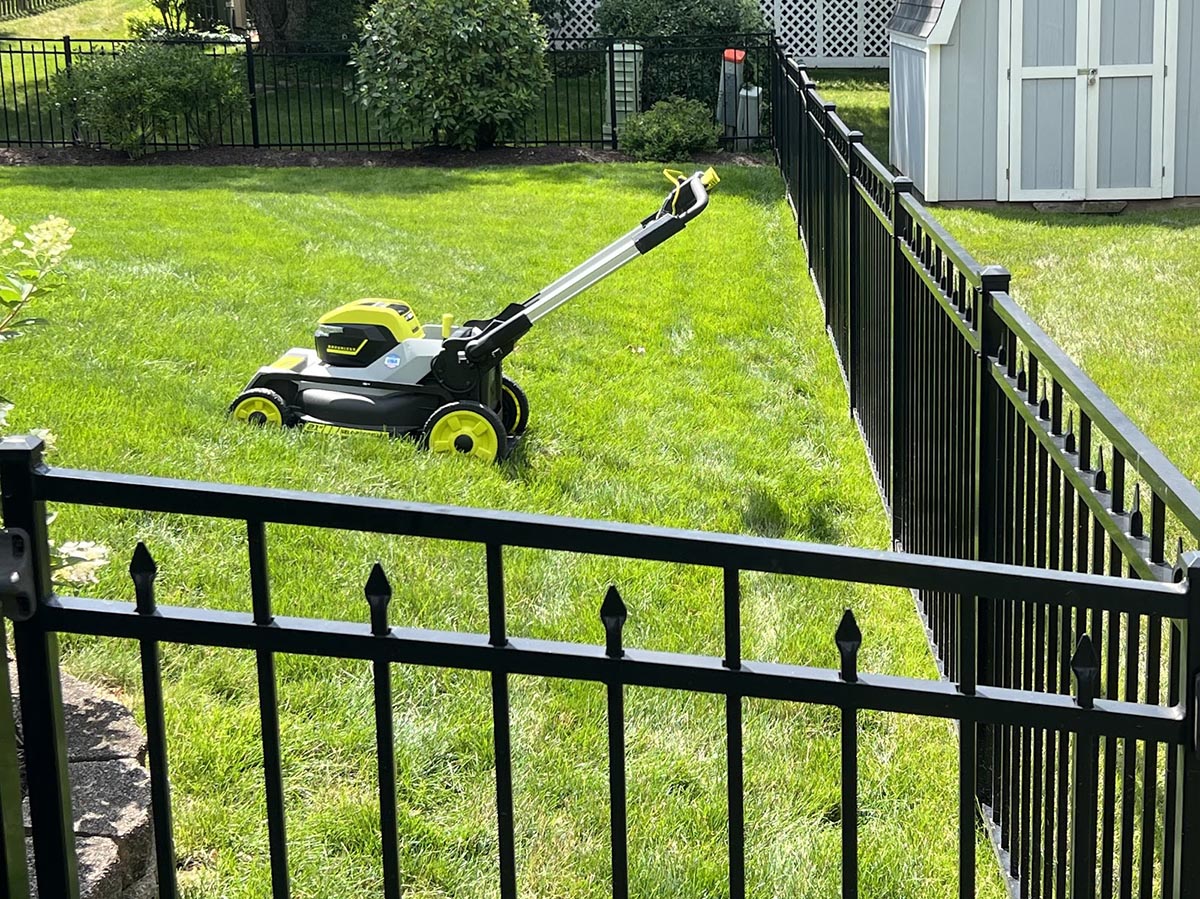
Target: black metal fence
point(301, 96)
point(1080, 723)
point(990, 444)
point(15, 9)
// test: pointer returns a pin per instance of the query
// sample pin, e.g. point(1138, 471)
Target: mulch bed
point(266, 158)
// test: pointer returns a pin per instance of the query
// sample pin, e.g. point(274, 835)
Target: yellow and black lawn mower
point(377, 369)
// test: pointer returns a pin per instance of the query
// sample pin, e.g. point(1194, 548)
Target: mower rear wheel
point(514, 407)
point(260, 406)
point(468, 428)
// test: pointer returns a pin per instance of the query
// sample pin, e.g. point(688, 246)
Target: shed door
point(1127, 50)
point(1086, 99)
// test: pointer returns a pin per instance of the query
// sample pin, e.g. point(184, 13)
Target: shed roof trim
point(930, 20)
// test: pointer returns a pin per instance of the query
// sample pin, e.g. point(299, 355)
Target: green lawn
point(1118, 294)
point(695, 388)
point(90, 18)
point(861, 96)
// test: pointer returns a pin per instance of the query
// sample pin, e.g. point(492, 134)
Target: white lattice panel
point(848, 32)
point(877, 14)
point(578, 22)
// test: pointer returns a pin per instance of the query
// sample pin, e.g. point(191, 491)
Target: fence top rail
point(753, 40)
point(1168, 482)
point(634, 667)
point(963, 261)
point(872, 162)
point(840, 127)
point(505, 528)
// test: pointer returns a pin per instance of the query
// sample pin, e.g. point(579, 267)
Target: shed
point(1046, 99)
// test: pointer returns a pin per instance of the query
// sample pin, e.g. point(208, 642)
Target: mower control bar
point(690, 193)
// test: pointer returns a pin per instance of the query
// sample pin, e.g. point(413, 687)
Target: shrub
point(671, 129)
point(671, 65)
point(644, 18)
point(472, 70)
point(552, 12)
point(141, 23)
point(137, 95)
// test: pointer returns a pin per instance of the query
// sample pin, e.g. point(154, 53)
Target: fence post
point(41, 689)
point(612, 91)
point(900, 186)
point(67, 61)
point(974, 649)
point(253, 93)
point(854, 147)
point(1187, 784)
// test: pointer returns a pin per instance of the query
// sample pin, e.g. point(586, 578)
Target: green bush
point(472, 70)
point(671, 129)
point(672, 66)
point(145, 91)
point(644, 18)
point(142, 22)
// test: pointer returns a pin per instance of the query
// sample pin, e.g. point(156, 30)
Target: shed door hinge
point(1007, 175)
point(1008, 74)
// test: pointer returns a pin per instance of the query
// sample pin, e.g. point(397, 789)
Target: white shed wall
point(969, 99)
point(1187, 102)
point(909, 98)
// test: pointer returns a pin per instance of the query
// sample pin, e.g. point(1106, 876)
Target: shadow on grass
point(754, 184)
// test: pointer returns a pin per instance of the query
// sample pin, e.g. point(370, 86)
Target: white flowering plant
point(29, 264)
point(28, 268)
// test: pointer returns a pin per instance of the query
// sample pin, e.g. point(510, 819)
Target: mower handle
point(693, 190)
point(499, 335)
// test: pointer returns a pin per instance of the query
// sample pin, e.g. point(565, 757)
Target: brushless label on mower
point(323, 428)
point(391, 360)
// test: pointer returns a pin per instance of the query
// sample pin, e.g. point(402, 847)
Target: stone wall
point(110, 795)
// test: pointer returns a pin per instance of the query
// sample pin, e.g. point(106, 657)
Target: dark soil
point(428, 156)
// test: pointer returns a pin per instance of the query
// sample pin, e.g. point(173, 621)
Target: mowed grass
point(87, 19)
point(862, 102)
point(1118, 293)
point(694, 388)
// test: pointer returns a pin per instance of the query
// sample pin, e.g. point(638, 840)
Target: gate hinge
point(16, 574)
point(1008, 74)
point(1007, 174)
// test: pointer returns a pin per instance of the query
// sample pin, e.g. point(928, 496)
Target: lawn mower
point(376, 369)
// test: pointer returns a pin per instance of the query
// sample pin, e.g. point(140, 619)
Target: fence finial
point(1021, 382)
point(1002, 352)
point(1069, 440)
point(1044, 405)
point(1087, 671)
point(143, 571)
point(613, 614)
point(1135, 516)
point(379, 593)
point(848, 639)
point(1101, 482)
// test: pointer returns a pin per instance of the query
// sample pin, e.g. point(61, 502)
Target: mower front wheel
point(260, 406)
point(468, 428)
point(514, 407)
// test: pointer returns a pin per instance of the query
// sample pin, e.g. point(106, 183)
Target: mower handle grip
point(696, 185)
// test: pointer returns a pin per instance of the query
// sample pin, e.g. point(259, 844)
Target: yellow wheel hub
point(467, 432)
point(517, 410)
point(259, 411)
